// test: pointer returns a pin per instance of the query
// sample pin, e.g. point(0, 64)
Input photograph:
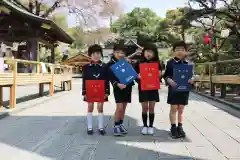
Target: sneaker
point(123, 129)
point(90, 131)
point(102, 131)
point(117, 131)
point(150, 130)
point(181, 133)
point(144, 130)
point(174, 132)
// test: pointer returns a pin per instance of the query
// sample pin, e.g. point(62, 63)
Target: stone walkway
point(56, 129)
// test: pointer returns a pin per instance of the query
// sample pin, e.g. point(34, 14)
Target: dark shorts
point(124, 95)
point(177, 98)
point(84, 99)
point(146, 96)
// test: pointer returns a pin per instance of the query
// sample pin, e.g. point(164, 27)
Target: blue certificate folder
point(124, 72)
point(182, 73)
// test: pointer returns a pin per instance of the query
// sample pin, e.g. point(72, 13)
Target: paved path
point(56, 129)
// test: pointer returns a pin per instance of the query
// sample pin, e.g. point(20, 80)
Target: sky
point(158, 6)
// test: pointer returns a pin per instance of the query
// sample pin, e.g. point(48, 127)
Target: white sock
point(100, 120)
point(89, 120)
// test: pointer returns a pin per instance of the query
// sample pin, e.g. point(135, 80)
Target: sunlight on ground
point(7, 150)
point(169, 148)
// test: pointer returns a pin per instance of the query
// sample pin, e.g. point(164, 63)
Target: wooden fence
point(43, 73)
point(217, 75)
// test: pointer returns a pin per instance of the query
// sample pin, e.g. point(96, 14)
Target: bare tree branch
point(52, 8)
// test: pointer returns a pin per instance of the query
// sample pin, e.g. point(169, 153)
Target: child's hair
point(120, 47)
point(95, 48)
point(179, 44)
point(153, 48)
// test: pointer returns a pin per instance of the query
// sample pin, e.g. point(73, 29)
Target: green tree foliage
point(141, 21)
point(173, 27)
point(212, 18)
point(78, 35)
point(145, 24)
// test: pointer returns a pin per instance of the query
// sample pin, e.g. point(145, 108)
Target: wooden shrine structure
point(77, 62)
point(19, 25)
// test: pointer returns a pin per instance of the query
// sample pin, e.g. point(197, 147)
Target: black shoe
point(181, 133)
point(102, 131)
point(174, 132)
point(90, 131)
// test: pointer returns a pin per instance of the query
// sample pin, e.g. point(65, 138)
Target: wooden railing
point(217, 76)
point(52, 74)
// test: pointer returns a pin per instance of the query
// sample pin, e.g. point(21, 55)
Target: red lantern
point(206, 39)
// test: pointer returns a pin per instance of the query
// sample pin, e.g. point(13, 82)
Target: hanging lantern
point(206, 39)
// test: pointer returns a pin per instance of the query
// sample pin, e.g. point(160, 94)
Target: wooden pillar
point(33, 53)
point(53, 53)
point(1, 96)
point(41, 89)
point(13, 87)
point(223, 90)
point(51, 84)
point(212, 85)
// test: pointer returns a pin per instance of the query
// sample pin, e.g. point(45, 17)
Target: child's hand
point(121, 86)
point(128, 60)
point(85, 97)
point(171, 82)
point(139, 76)
point(190, 81)
point(106, 95)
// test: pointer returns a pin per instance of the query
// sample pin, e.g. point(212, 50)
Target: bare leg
point(89, 115)
point(172, 114)
point(124, 109)
point(100, 107)
point(180, 113)
point(118, 113)
point(181, 132)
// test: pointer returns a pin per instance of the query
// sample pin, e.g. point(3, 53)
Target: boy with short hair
point(96, 70)
point(177, 100)
point(122, 93)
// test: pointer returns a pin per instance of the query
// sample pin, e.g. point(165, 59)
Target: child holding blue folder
point(177, 100)
point(122, 93)
point(148, 98)
point(96, 70)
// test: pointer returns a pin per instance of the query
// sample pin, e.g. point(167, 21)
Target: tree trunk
point(30, 6)
point(38, 7)
point(183, 33)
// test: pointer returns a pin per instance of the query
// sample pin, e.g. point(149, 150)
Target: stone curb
point(235, 106)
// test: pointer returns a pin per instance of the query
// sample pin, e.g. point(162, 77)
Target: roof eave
point(66, 38)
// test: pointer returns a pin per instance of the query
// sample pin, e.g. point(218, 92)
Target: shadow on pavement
point(28, 98)
point(65, 138)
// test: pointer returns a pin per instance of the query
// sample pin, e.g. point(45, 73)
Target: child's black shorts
point(124, 95)
point(106, 99)
point(175, 98)
point(146, 96)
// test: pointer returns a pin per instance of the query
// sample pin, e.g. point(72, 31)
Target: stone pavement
point(56, 129)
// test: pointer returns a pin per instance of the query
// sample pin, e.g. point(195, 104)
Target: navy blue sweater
point(98, 71)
